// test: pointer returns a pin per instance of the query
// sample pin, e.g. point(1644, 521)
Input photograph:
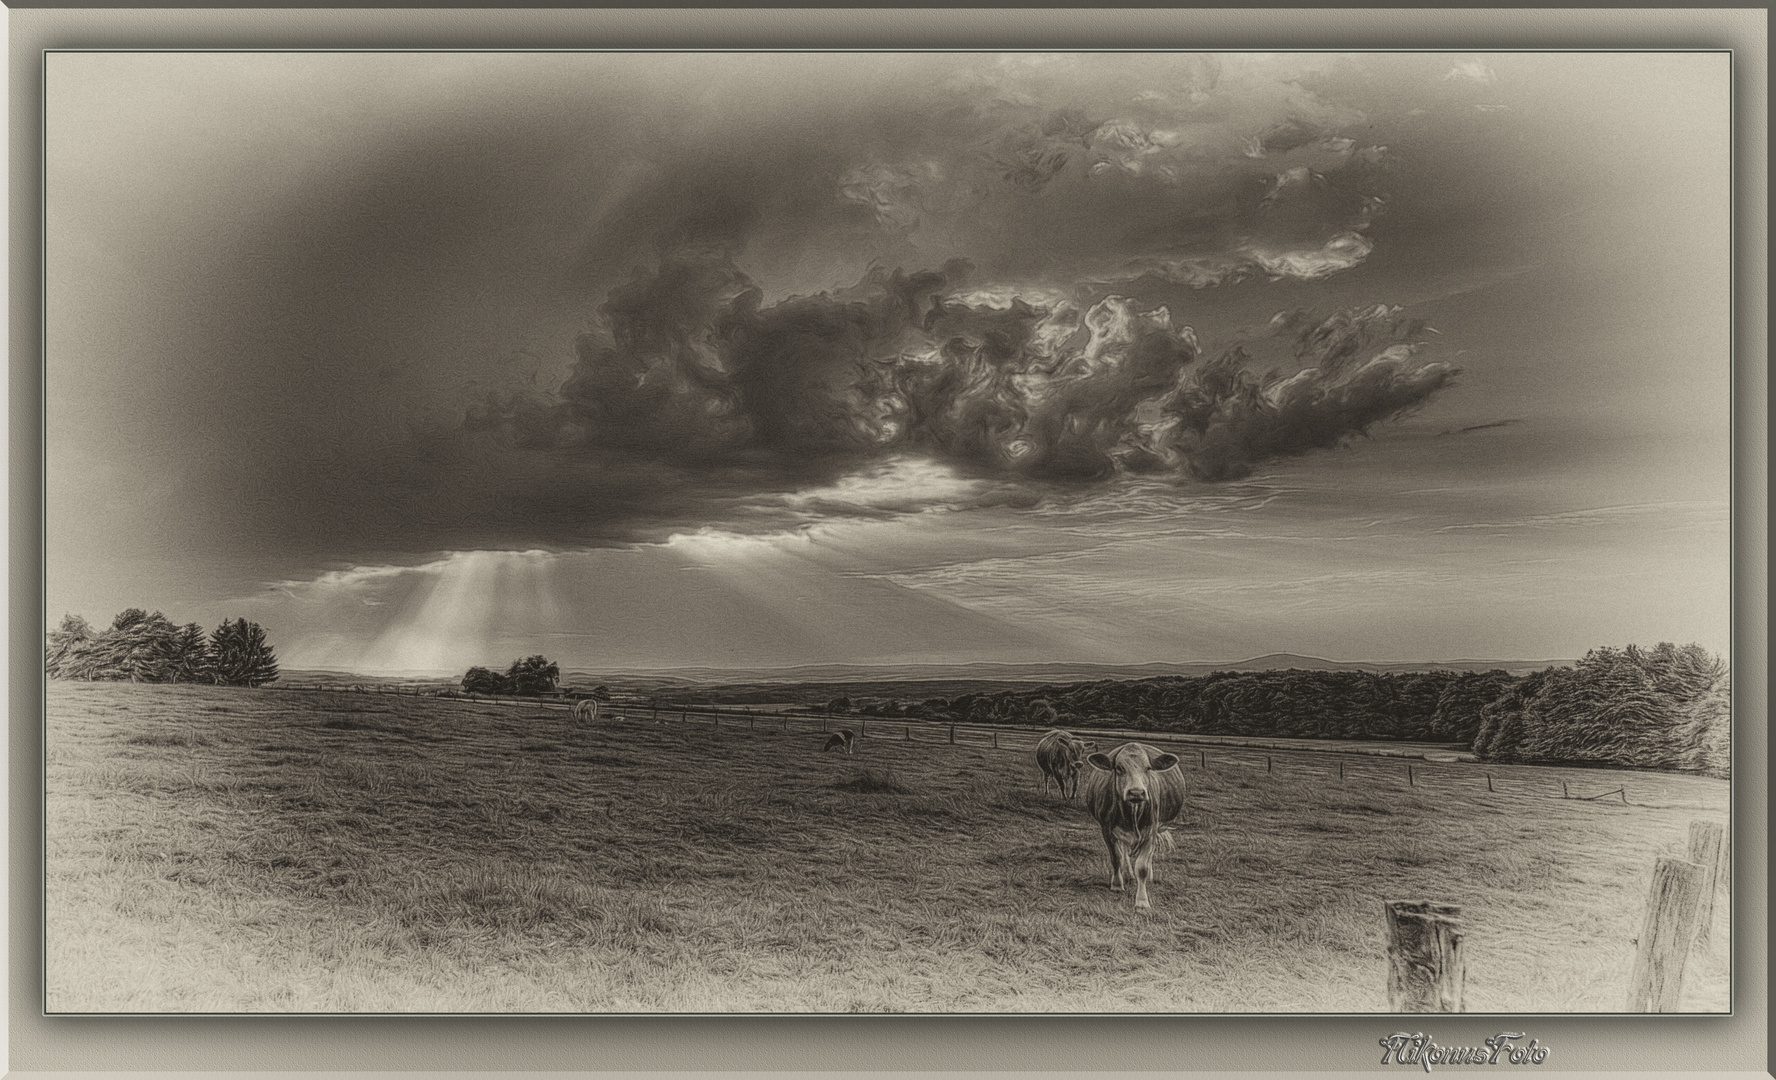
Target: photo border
point(1679, 1044)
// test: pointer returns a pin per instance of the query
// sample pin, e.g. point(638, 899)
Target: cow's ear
point(1101, 761)
point(1163, 762)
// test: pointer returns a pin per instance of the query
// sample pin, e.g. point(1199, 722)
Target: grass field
point(214, 849)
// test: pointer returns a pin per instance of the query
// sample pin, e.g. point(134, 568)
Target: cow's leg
point(1115, 859)
point(1143, 861)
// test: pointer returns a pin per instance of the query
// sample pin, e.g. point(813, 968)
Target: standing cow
point(1133, 791)
point(1061, 757)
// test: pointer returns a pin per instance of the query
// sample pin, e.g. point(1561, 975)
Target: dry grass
point(215, 849)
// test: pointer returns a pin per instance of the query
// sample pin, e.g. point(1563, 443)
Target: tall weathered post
point(1426, 968)
point(1707, 841)
point(1665, 936)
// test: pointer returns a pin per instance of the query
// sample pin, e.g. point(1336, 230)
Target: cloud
point(724, 242)
point(912, 390)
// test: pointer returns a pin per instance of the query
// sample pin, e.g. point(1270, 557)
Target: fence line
point(1016, 738)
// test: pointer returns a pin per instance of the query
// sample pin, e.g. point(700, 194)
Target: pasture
point(226, 850)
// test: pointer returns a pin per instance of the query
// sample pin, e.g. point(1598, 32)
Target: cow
point(1061, 756)
point(586, 709)
point(1134, 791)
point(842, 739)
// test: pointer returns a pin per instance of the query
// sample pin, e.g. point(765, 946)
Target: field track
point(215, 849)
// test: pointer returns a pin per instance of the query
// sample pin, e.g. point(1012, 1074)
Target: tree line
point(1660, 708)
point(1668, 707)
point(140, 646)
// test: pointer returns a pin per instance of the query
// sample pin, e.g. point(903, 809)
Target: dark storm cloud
point(694, 373)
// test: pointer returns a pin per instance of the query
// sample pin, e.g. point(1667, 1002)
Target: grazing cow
point(1061, 756)
point(1134, 791)
point(842, 739)
point(586, 709)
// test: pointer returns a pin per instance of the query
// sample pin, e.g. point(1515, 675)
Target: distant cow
point(586, 709)
point(1134, 791)
point(842, 739)
point(1061, 757)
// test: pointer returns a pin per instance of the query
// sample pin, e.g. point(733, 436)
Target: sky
point(655, 360)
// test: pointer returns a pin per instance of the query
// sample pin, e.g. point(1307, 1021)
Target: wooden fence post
point(1267, 763)
point(1409, 782)
point(908, 732)
point(1665, 937)
point(1488, 781)
point(952, 734)
point(1341, 768)
point(1426, 968)
point(863, 729)
point(1202, 759)
point(995, 740)
point(1707, 838)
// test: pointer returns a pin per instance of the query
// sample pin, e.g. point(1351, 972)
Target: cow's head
point(1129, 770)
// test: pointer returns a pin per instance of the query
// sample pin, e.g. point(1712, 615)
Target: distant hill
point(833, 674)
point(809, 681)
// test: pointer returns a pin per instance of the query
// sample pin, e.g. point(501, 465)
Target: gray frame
point(926, 1043)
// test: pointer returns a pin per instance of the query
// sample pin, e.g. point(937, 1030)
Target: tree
point(240, 655)
point(533, 675)
point(839, 704)
point(191, 657)
point(63, 654)
point(480, 680)
point(139, 647)
point(601, 693)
